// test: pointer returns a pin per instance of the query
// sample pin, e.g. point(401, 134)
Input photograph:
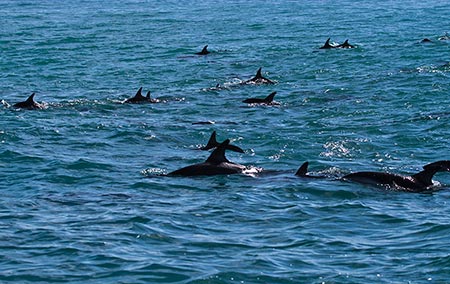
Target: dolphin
point(203, 122)
point(303, 172)
point(216, 164)
point(140, 99)
point(267, 100)
point(204, 51)
point(259, 79)
point(29, 104)
point(422, 181)
point(345, 45)
point(327, 45)
point(212, 143)
point(445, 37)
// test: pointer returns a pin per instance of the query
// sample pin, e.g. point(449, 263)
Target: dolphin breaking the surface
point(29, 104)
point(140, 99)
point(422, 181)
point(266, 101)
point(204, 51)
point(259, 79)
point(216, 164)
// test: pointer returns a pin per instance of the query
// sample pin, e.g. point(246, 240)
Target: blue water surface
point(83, 194)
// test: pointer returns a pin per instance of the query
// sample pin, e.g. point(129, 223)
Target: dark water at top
point(82, 199)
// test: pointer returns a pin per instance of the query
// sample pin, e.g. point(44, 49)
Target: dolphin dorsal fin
point(139, 93)
point(148, 95)
point(218, 155)
point(212, 142)
point(303, 170)
point(270, 97)
point(204, 51)
point(327, 44)
point(30, 99)
point(258, 73)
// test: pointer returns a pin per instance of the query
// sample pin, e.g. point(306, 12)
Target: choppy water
point(82, 200)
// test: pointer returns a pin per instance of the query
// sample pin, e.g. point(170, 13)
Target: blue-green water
point(82, 198)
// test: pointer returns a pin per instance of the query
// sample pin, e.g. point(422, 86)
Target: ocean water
point(83, 194)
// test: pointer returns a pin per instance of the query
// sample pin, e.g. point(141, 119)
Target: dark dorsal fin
point(28, 104)
point(212, 142)
point(270, 97)
point(218, 155)
point(327, 44)
point(346, 44)
point(258, 73)
point(148, 95)
point(303, 170)
point(430, 170)
point(139, 93)
point(259, 78)
point(204, 51)
point(30, 99)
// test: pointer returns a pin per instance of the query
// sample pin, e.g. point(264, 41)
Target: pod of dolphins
point(218, 164)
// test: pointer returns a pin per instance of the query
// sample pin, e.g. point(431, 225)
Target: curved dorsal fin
point(270, 97)
point(28, 103)
point(139, 93)
point(327, 44)
point(303, 170)
point(218, 155)
point(148, 95)
point(258, 73)
point(212, 142)
point(204, 51)
point(30, 99)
